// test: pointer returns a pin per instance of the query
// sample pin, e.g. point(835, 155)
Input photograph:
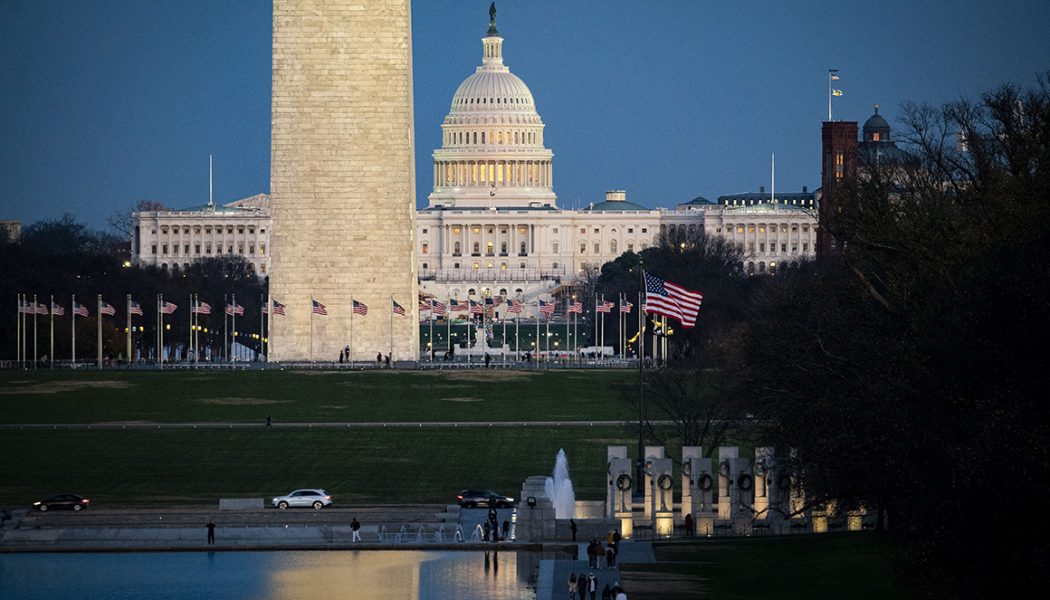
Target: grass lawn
point(804, 567)
point(382, 466)
point(311, 396)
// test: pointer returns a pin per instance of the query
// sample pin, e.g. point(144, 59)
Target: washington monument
point(342, 180)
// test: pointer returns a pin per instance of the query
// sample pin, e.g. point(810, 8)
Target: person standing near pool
point(211, 532)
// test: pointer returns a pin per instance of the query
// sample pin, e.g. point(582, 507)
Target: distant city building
point(175, 238)
point(11, 231)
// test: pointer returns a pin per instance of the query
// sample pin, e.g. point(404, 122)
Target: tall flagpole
point(51, 312)
point(99, 331)
point(128, 331)
point(503, 348)
point(233, 325)
point(432, 348)
point(448, 324)
point(34, 331)
point(351, 357)
point(391, 355)
point(640, 469)
point(312, 328)
point(517, 340)
point(193, 311)
point(160, 330)
point(73, 315)
point(262, 324)
point(18, 331)
point(537, 342)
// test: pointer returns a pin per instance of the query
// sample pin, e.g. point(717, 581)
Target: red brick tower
point(839, 160)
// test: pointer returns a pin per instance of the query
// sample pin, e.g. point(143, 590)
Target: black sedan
point(62, 502)
point(489, 498)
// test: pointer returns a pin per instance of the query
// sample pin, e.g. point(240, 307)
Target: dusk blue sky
point(106, 102)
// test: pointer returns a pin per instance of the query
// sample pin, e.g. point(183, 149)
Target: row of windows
point(207, 230)
point(208, 249)
point(494, 137)
point(762, 228)
point(490, 248)
point(262, 267)
point(773, 247)
point(493, 100)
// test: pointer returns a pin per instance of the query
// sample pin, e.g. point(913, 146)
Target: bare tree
point(122, 222)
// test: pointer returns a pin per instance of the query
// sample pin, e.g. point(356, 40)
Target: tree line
point(904, 371)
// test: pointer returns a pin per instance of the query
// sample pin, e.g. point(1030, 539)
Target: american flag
point(203, 308)
point(497, 300)
point(57, 310)
point(575, 307)
point(80, 309)
point(397, 308)
point(278, 308)
point(360, 308)
point(457, 306)
point(41, 309)
point(475, 308)
point(135, 308)
point(237, 309)
point(104, 308)
point(438, 308)
point(604, 307)
point(625, 306)
point(671, 300)
point(318, 309)
point(424, 305)
point(515, 307)
point(168, 308)
point(547, 308)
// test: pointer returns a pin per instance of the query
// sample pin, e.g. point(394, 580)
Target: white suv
point(315, 498)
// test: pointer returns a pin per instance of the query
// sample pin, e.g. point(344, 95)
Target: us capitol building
point(493, 224)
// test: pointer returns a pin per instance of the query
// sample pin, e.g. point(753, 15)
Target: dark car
point(472, 498)
point(62, 502)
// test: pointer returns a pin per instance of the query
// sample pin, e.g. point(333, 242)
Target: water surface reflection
point(362, 575)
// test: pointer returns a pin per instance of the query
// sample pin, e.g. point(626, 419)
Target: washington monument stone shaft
point(342, 179)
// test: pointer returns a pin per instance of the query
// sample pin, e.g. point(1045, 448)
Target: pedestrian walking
point(355, 528)
point(607, 593)
point(269, 422)
point(688, 525)
point(506, 529)
point(572, 528)
point(610, 557)
point(572, 586)
point(211, 532)
point(592, 586)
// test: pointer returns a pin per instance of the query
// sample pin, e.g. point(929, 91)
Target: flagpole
point(537, 342)
point(351, 331)
point(127, 332)
point(503, 347)
point(391, 355)
point(73, 354)
point(51, 314)
point(431, 348)
point(829, 95)
point(193, 311)
point(640, 469)
point(160, 330)
point(448, 324)
point(567, 329)
point(18, 330)
point(601, 348)
point(517, 340)
point(262, 324)
point(312, 329)
point(233, 325)
point(34, 332)
point(99, 319)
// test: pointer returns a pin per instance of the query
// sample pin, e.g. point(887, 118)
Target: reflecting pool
point(362, 575)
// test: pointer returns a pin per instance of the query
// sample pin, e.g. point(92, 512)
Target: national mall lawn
point(398, 463)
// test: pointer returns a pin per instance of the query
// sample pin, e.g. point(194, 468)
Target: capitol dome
point(492, 151)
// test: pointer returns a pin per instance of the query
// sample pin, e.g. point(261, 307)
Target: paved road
point(331, 425)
